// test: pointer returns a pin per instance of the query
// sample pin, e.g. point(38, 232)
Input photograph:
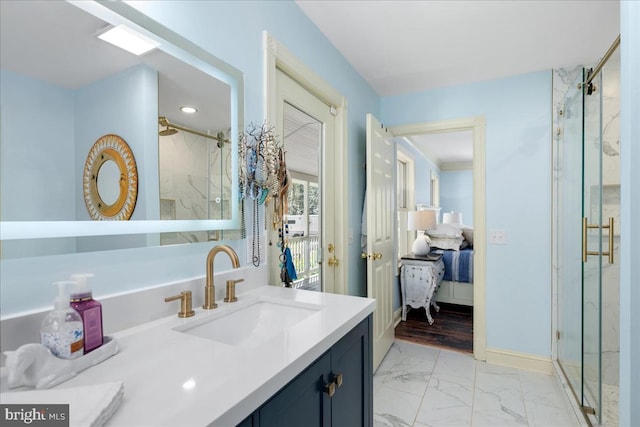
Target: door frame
point(276, 56)
point(477, 125)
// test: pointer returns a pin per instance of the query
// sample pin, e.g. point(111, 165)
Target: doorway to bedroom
point(448, 162)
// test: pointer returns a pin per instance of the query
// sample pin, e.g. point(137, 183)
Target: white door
point(381, 263)
point(294, 100)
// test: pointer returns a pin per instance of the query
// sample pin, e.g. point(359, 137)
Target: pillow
point(447, 243)
point(467, 233)
point(445, 231)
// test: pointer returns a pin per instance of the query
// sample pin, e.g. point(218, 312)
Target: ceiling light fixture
point(188, 110)
point(128, 39)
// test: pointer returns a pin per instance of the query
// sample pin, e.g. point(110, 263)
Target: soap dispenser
point(62, 330)
point(89, 309)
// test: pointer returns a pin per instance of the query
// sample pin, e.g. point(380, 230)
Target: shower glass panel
point(569, 265)
point(610, 212)
point(592, 265)
point(588, 227)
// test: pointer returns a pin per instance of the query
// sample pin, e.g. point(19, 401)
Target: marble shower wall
point(194, 183)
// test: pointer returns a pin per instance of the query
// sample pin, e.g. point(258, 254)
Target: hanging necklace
point(255, 244)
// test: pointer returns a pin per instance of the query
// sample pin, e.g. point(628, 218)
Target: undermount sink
point(252, 323)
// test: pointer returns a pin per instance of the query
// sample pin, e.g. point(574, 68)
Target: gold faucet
point(209, 289)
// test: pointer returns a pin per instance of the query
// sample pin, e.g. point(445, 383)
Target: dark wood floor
point(452, 327)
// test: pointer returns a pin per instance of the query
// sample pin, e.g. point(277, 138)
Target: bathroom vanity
point(336, 389)
point(276, 357)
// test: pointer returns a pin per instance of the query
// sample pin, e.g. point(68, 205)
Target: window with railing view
point(302, 223)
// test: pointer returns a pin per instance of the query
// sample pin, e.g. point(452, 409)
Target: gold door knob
point(364, 255)
point(330, 248)
point(377, 255)
point(333, 262)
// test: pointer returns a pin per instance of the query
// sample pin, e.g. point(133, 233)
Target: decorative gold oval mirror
point(110, 179)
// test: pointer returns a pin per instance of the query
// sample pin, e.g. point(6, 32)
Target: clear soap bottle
point(62, 331)
point(90, 311)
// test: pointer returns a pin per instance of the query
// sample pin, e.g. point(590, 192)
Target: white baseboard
point(528, 362)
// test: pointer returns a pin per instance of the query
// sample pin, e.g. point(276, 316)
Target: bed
point(457, 284)
point(455, 243)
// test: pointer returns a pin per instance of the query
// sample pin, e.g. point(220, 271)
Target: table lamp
point(421, 221)
point(452, 218)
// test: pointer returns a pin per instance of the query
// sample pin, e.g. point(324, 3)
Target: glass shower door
point(588, 230)
point(569, 265)
point(592, 250)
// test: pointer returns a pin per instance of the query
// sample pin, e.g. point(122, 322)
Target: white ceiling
point(408, 46)
point(445, 148)
point(403, 47)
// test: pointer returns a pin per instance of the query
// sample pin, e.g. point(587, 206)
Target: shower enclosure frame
point(584, 239)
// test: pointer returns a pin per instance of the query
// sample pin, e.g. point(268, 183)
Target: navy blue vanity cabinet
point(335, 390)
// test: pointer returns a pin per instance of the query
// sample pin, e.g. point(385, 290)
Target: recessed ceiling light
point(188, 110)
point(129, 40)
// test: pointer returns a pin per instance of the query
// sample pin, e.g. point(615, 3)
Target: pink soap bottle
point(89, 309)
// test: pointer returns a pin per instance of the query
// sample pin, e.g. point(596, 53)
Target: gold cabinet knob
point(330, 388)
point(185, 303)
point(338, 379)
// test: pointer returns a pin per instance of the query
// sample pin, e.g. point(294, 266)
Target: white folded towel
point(89, 406)
point(33, 365)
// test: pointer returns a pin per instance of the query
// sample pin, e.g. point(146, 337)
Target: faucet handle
point(231, 290)
point(185, 303)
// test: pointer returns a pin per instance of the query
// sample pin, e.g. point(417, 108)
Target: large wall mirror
point(63, 89)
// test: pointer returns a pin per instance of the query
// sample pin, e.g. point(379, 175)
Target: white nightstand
point(420, 277)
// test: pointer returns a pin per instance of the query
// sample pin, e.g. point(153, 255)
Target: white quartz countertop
point(175, 379)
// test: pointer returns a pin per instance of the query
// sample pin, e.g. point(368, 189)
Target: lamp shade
point(421, 220)
point(452, 218)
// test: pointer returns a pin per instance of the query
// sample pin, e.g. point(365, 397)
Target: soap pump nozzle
point(82, 282)
point(61, 301)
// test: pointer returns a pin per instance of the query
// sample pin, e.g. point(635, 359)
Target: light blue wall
point(456, 193)
point(629, 214)
point(36, 131)
point(37, 134)
point(518, 185)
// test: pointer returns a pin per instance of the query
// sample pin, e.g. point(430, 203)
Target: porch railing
point(305, 251)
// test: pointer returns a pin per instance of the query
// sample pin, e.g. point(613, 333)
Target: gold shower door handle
point(585, 251)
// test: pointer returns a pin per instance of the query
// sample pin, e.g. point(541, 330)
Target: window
point(302, 229)
point(405, 201)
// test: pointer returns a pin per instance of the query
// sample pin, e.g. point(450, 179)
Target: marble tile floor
point(421, 386)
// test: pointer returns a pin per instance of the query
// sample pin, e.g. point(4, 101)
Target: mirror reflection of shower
point(172, 129)
point(195, 177)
